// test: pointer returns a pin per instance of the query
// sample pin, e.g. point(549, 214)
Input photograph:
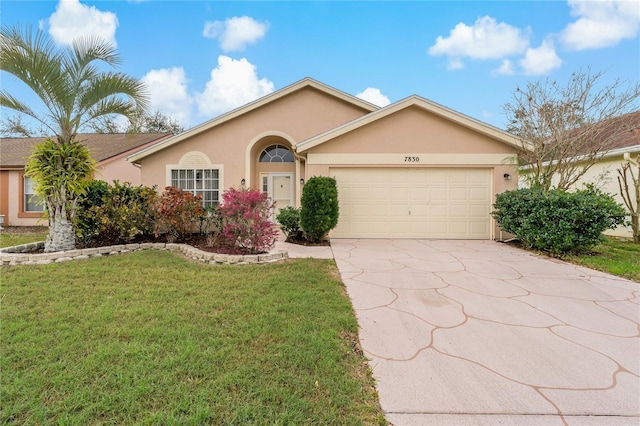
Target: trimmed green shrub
point(289, 220)
point(319, 212)
point(124, 213)
point(86, 224)
point(557, 221)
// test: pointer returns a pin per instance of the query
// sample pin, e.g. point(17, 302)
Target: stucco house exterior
point(604, 173)
point(17, 203)
point(413, 169)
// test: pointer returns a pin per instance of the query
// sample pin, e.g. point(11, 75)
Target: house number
point(411, 159)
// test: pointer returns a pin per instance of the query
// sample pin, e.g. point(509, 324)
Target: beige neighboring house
point(604, 174)
point(413, 169)
point(17, 203)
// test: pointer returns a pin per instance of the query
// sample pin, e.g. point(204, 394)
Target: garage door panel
point(478, 212)
point(413, 202)
point(438, 211)
point(438, 194)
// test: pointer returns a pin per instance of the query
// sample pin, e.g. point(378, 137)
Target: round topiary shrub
point(319, 211)
point(289, 220)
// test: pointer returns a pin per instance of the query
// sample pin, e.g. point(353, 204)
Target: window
point(276, 154)
point(32, 202)
point(203, 182)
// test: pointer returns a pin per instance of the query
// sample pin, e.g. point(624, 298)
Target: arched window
point(276, 154)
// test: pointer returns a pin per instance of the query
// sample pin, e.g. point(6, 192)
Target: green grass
point(152, 338)
point(616, 256)
point(9, 238)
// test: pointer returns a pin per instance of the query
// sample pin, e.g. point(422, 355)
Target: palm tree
point(75, 92)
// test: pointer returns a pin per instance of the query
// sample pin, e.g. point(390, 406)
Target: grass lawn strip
point(150, 337)
point(15, 236)
point(616, 256)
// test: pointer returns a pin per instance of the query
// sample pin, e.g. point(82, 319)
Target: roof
point(304, 83)
point(419, 102)
point(14, 152)
point(625, 129)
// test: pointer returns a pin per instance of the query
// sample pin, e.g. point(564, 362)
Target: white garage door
point(413, 203)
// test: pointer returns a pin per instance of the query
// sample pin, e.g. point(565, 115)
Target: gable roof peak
point(271, 97)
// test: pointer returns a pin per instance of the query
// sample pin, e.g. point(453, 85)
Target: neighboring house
point(413, 169)
point(604, 174)
point(17, 201)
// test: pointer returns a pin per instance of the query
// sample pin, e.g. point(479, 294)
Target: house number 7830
point(411, 159)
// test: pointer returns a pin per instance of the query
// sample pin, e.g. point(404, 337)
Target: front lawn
point(149, 337)
point(616, 256)
point(17, 235)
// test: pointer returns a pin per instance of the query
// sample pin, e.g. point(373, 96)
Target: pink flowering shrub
point(246, 224)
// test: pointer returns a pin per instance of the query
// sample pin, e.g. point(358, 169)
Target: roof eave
point(216, 121)
point(427, 105)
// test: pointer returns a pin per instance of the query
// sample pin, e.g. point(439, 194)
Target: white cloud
point(168, 91)
point(374, 96)
point(505, 69)
point(233, 83)
point(601, 23)
point(486, 39)
point(540, 60)
point(235, 33)
point(73, 19)
point(455, 64)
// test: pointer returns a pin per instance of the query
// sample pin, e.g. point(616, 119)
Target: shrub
point(289, 220)
point(319, 211)
point(177, 212)
point(86, 224)
point(557, 221)
point(119, 215)
point(245, 214)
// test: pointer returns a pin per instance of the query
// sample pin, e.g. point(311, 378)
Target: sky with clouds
point(200, 59)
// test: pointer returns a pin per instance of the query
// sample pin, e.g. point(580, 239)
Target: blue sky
point(203, 58)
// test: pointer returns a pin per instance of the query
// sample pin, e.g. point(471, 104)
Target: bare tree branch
point(569, 128)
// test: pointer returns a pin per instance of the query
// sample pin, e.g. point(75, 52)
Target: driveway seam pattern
point(483, 328)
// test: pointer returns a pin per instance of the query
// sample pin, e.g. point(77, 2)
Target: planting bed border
point(23, 254)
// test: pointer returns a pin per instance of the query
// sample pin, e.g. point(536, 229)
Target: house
point(604, 173)
point(17, 202)
point(413, 169)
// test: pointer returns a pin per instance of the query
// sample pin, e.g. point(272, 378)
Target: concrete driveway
point(479, 332)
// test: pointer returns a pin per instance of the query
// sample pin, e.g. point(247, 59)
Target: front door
point(281, 190)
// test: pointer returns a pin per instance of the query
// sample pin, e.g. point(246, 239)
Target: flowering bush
point(246, 224)
point(176, 213)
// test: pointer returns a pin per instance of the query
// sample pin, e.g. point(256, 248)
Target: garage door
point(413, 203)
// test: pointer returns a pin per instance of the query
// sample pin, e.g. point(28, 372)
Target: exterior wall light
point(243, 182)
point(506, 176)
point(301, 181)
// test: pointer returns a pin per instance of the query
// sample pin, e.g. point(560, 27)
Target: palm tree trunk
point(61, 236)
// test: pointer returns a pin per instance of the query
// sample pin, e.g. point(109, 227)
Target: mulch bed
point(196, 240)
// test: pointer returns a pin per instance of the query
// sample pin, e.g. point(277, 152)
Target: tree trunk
point(61, 236)
point(635, 227)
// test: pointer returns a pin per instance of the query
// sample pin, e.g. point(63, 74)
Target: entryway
point(279, 186)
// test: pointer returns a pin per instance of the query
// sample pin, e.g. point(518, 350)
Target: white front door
point(280, 189)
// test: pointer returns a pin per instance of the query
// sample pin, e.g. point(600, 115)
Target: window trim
point(276, 146)
point(22, 212)
point(218, 167)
